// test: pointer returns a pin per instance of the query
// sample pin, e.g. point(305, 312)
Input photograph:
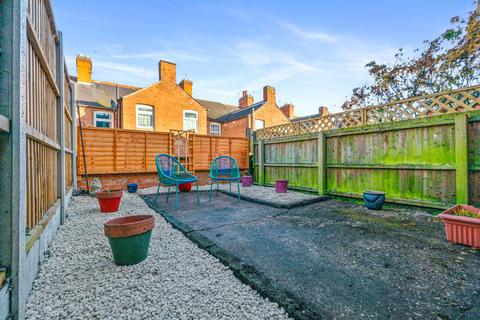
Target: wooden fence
point(110, 151)
point(48, 116)
point(465, 99)
point(433, 161)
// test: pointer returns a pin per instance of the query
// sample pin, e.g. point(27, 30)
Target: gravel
point(265, 194)
point(178, 280)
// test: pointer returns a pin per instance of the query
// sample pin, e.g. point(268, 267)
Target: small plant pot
point(132, 187)
point(462, 229)
point(374, 200)
point(185, 187)
point(281, 186)
point(109, 200)
point(247, 181)
point(129, 238)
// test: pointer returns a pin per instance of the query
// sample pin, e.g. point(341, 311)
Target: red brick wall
point(87, 116)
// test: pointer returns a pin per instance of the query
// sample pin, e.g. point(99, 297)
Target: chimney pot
point(245, 100)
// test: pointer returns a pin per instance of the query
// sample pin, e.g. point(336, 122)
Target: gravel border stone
point(178, 280)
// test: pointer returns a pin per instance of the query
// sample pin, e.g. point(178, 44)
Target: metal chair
point(224, 168)
point(172, 173)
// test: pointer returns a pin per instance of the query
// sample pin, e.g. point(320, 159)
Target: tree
point(450, 61)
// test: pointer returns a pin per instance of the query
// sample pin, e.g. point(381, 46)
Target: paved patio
point(335, 259)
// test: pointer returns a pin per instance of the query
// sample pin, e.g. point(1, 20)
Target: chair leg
point(210, 192)
point(156, 195)
point(218, 183)
point(176, 197)
point(238, 188)
point(168, 192)
point(230, 185)
point(198, 196)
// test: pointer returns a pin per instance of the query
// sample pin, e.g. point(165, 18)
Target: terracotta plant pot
point(132, 187)
point(129, 238)
point(185, 187)
point(374, 200)
point(109, 200)
point(281, 186)
point(462, 229)
point(247, 181)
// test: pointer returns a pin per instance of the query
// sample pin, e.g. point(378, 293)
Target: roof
point(312, 116)
point(99, 94)
point(216, 109)
point(240, 113)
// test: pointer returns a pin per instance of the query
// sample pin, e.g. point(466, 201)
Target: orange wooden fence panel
point(130, 151)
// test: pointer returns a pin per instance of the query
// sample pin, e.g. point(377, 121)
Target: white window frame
point(263, 124)
point(219, 132)
point(184, 118)
point(110, 120)
point(137, 112)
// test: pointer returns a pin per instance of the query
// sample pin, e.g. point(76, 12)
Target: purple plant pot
point(281, 186)
point(247, 181)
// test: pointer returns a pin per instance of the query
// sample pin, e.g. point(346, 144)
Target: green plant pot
point(130, 250)
point(129, 238)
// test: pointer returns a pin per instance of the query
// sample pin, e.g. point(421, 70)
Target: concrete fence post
point(61, 125)
point(321, 164)
point(261, 162)
point(461, 158)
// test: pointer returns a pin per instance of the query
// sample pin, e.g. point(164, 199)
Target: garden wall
point(433, 161)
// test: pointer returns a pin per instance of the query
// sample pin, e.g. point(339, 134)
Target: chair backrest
point(224, 166)
point(168, 166)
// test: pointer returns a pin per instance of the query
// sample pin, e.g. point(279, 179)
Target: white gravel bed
point(178, 280)
point(257, 192)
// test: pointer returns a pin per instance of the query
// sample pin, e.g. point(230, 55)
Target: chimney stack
point(245, 100)
point(288, 110)
point(186, 85)
point(269, 93)
point(323, 111)
point(84, 69)
point(167, 72)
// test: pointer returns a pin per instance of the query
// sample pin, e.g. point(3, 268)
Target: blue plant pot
point(374, 200)
point(132, 187)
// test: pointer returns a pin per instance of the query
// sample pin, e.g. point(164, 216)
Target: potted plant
point(462, 225)
point(129, 238)
point(374, 200)
point(109, 200)
point(185, 187)
point(132, 187)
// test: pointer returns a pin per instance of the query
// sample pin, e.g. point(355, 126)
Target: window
point(215, 128)
point(144, 116)
point(103, 119)
point(259, 124)
point(190, 120)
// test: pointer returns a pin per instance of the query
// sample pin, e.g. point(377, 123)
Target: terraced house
point(165, 105)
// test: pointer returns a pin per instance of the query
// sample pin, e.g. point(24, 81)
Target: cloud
point(171, 55)
point(309, 35)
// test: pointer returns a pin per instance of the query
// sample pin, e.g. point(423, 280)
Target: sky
point(312, 52)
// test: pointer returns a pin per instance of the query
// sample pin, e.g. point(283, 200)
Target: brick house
point(166, 105)
point(97, 100)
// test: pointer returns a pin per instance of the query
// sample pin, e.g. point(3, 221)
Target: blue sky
point(312, 52)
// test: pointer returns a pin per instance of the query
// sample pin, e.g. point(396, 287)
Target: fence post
point(364, 116)
point(321, 164)
point(61, 126)
point(261, 165)
point(461, 158)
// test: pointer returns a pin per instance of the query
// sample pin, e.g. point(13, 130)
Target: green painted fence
point(433, 161)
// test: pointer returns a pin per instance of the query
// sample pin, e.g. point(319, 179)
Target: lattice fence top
point(466, 99)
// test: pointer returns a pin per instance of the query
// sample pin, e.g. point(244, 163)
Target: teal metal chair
point(224, 168)
point(172, 173)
